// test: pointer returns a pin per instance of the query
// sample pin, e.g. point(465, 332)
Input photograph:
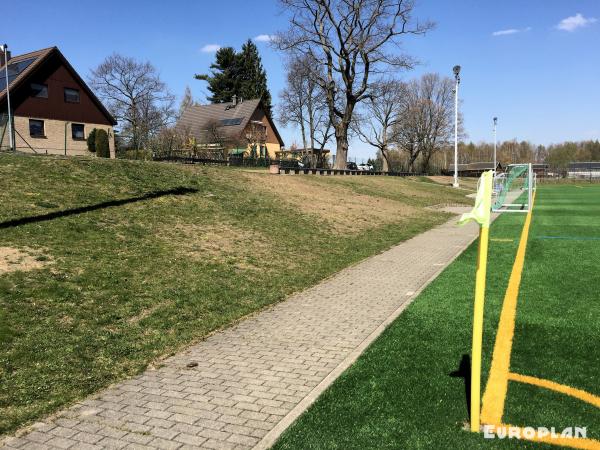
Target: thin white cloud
point(572, 23)
point(210, 48)
point(505, 32)
point(264, 38)
point(510, 31)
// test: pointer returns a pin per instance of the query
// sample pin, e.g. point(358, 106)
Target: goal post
point(513, 189)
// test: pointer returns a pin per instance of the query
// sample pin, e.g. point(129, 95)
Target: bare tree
point(380, 115)
point(135, 96)
point(352, 41)
point(186, 101)
point(294, 98)
point(426, 122)
point(256, 137)
point(211, 142)
point(303, 104)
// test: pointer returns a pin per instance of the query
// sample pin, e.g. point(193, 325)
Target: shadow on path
point(84, 209)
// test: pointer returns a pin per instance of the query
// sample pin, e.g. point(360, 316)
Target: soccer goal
point(513, 189)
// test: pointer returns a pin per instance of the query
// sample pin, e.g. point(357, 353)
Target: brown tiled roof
point(41, 56)
point(197, 118)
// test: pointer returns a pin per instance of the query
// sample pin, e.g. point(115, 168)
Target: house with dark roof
point(53, 109)
point(240, 126)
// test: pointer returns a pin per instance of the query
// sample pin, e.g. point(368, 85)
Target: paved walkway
point(240, 388)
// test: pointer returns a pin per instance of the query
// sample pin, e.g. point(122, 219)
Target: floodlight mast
point(4, 48)
point(495, 143)
point(456, 70)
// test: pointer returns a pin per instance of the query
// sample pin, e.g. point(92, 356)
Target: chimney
point(234, 100)
point(2, 62)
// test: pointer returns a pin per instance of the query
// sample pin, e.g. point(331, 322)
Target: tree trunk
point(341, 140)
point(411, 162)
point(303, 135)
point(311, 117)
point(341, 153)
point(385, 163)
point(427, 160)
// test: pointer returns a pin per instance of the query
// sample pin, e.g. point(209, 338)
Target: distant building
point(589, 169)
point(474, 169)
point(241, 127)
point(540, 169)
point(54, 110)
point(314, 157)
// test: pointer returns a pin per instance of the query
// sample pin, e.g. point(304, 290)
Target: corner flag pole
point(481, 214)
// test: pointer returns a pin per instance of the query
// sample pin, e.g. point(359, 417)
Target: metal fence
point(575, 173)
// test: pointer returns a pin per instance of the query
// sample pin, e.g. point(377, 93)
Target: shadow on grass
point(84, 209)
point(464, 372)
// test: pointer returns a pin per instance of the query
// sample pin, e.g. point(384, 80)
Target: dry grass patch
point(465, 183)
point(345, 211)
point(394, 187)
point(146, 312)
point(23, 259)
point(222, 243)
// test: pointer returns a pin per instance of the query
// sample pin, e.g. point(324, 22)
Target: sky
point(534, 64)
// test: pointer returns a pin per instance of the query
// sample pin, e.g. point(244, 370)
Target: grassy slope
point(400, 393)
point(131, 282)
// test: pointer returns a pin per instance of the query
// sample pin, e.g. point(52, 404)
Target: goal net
point(513, 189)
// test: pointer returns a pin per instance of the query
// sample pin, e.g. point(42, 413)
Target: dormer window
point(71, 95)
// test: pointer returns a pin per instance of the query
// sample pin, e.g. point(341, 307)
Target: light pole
point(495, 143)
point(456, 70)
point(4, 48)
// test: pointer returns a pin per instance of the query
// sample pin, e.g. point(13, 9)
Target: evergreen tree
point(223, 82)
point(252, 75)
point(101, 144)
point(91, 141)
point(241, 74)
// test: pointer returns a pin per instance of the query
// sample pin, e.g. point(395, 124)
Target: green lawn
point(120, 263)
point(407, 389)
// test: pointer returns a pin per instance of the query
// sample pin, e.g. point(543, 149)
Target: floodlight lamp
point(456, 70)
point(495, 120)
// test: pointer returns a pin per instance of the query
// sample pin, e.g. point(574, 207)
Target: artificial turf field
point(408, 389)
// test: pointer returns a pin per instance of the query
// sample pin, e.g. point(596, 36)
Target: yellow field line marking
point(561, 388)
point(574, 442)
point(495, 392)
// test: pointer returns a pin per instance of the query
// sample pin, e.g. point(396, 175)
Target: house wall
point(57, 77)
point(272, 143)
point(54, 141)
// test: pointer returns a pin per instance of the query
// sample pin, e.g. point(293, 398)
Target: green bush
point(91, 141)
point(102, 147)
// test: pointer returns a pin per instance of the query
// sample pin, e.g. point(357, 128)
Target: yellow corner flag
point(483, 202)
point(481, 213)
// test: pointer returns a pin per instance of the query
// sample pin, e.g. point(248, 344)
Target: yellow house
point(240, 126)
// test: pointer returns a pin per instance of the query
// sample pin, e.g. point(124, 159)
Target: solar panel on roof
point(14, 69)
point(231, 122)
